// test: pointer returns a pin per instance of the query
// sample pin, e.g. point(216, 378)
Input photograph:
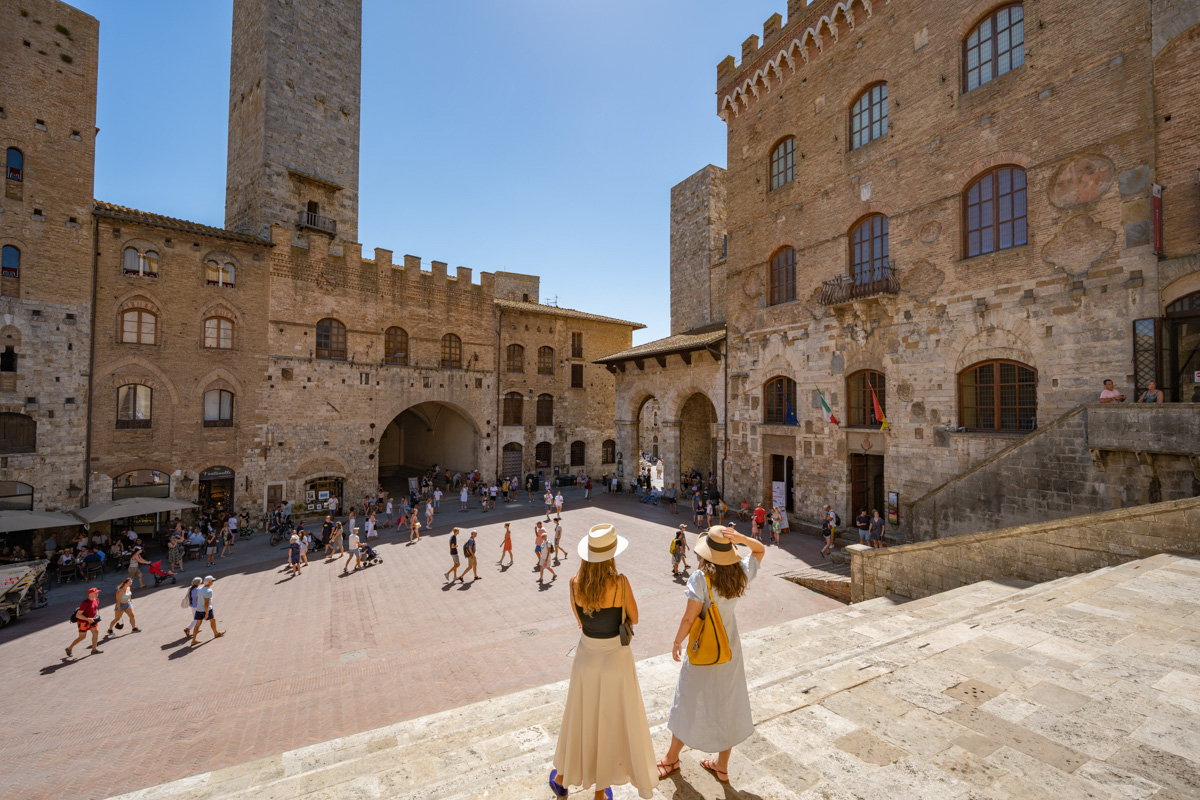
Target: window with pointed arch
point(514, 409)
point(515, 358)
point(779, 396)
point(998, 396)
point(608, 451)
point(395, 346)
point(331, 340)
point(869, 250)
point(578, 453)
point(218, 408)
point(218, 273)
point(782, 278)
point(140, 263)
point(860, 404)
point(994, 46)
point(545, 361)
point(218, 333)
point(869, 115)
point(134, 404)
point(138, 326)
point(545, 409)
point(783, 163)
point(994, 211)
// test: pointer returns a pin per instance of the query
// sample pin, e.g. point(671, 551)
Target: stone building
point(972, 213)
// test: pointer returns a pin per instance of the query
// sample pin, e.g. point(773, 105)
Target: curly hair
point(728, 580)
point(592, 583)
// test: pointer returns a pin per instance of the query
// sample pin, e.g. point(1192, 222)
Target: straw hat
point(714, 548)
point(601, 544)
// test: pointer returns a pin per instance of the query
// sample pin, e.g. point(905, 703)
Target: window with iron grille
point(995, 211)
point(869, 250)
point(577, 376)
point(576, 344)
point(395, 346)
point(783, 276)
point(545, 360)
point(608, 451)
point(542, 454)
point(995, 46)
point(514, 409)
point(998, 396)
point(545, 409)
point(133, 406)
point(138, 326)
point(331, 340)
point(218, 409)
point(869, 115)
point(860, 406)
point(18, 433)
point(515, 358)
point(783, 163)
point(779, 394)
point(578, 451)
point(218, 333)
point(451, 351)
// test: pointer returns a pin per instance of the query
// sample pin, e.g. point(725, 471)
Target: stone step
point(827, 578)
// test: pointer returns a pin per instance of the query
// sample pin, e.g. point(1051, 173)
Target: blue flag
point(790, 417)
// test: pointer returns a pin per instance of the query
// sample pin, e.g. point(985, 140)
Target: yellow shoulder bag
point(708, 644)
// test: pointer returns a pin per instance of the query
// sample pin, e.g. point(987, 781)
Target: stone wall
point(1041, 552)
point(1094, 458)
point(697, 232)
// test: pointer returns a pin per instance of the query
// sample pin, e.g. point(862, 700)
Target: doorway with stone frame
point(866, 487)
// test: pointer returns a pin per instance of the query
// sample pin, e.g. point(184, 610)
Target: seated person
point(19, 554)
point(1111, 394)
point(92, 557)
point(195, 538)
point(744, 510)
point(653, 494)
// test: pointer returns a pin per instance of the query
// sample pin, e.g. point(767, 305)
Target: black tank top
point(605, 623)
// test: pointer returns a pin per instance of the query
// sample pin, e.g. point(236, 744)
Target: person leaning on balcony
point(1110, 393)
point(1153, 394)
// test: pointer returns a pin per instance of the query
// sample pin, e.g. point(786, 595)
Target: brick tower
point(294, 97)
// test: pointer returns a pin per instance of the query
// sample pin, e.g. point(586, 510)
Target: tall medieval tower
point(294, 98)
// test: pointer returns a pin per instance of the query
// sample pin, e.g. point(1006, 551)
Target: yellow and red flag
point(878, 409)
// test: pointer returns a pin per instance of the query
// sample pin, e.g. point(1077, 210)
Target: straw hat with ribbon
point(601, 544)
point(714, 548)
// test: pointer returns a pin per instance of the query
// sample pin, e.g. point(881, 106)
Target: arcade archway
point(698, 436)
point(424, 435)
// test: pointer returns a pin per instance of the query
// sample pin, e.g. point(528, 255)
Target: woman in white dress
point(711, 710)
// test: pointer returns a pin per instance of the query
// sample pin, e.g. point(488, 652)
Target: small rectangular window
point(576, 345)
point(577, 376)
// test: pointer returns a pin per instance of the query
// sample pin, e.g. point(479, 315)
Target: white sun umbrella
point(32, 520)
point(129, 507)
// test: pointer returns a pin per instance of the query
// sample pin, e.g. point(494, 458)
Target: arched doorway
point(510, 463)
point(697, 436)
point(424, 435)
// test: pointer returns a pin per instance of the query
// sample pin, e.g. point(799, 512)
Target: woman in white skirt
point(605, 739)
point(711, 710)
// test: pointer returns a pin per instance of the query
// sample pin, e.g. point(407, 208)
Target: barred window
point(869, 116)
point(998, 396)
point(516, 358)
point(783, 276)
point(451, 351)
point(331, 339)
point(514, 408)
point(783, 163)
point(578, 451)
point(779, 396)
point(608, 451)
point(395, 346)
point(995, 211)
point(995, 46)
point(545, 360)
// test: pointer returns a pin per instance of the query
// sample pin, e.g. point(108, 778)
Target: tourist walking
point(370, 526)
point(124, 608)
point(137, 560)
point(506, 546)
point(335, 540)
point(604, 739)
point(462, 498)
point(437, 500)
point(428, 513)
point(558, 548)
point(544, 559)
point(671, 492)
point(227, 535)
point(189, 602)
point(679, 548)
point(711, 709)
point(758, 520)
point(876, 529)
point(776, 524)
point(87, 618)
point(352, 523)
point(204, 610)
point(387, 514)
point(537, 543)
point(472, 564)
point(548, 499)
point(294, 554)
point(863, 523)
point(697, 510)
point(175, 552)
point(414, 530)
point(210, 547)
point(453, 556)
point(558, 503)
point(828, 529)
point(352, 551)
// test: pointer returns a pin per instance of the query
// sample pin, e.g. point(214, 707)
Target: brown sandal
point(710, 765)
point(665, 770)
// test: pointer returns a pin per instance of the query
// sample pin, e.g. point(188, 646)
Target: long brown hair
point(728, 580)
point(592, 583)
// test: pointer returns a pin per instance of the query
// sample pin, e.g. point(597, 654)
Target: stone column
point(668, 446)
point(719, 446)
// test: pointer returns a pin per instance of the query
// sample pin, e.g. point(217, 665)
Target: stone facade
point(697, 250)
point(50, 53)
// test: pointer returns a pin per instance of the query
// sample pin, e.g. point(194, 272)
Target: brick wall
point(1041, 552)
point(697, 230)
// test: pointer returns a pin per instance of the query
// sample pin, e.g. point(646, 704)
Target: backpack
point(674, 542)
point(837, 520)
point(708, 644)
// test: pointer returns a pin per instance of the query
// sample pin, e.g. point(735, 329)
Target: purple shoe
point(558, 789)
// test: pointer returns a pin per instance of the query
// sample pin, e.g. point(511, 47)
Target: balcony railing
point(318, 223)
point(869, 283)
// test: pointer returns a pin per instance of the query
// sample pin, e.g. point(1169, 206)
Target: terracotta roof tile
point(696, 339)
point(555, 311)
point(113, 211)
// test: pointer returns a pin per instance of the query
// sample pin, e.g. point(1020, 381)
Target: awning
point(31, 520)
point(130, 507)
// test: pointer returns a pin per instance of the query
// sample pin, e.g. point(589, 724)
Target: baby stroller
point(367, 555)
point(159, 574)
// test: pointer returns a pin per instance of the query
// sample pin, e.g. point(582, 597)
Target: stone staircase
point(1088, 686)
point(828, 577)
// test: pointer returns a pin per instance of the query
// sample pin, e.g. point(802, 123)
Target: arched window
point(218, 333)
point(138, 326)
point(783, 276)
point(331, 339)
point(578, 452)
point(10, 262)
point(514, 409)
point(779, 402)
point(516, 358)
point(18, 433)
point(218, 274)
point(869, 115)
point(545, 361)
point(542, 454)
point(141, 264)
point(1188, 305)
point(15, 496)
point(869, 250)
point(860, 405)
point(608, 451)
point(996, 45)
point(994, 207)
point(133, 406)
point(395, 346)
point(998, 396)
point(783, 163)
point(14, 165)
point(218, 409)
point(451, 351)
point(545, 409)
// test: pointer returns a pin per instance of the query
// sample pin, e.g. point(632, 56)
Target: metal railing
point(869, 283)
point(318, 223)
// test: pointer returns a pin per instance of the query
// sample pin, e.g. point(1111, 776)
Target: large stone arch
point(1180, 287)
point(421, 434)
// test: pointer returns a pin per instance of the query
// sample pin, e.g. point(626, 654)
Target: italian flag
point(829, 417)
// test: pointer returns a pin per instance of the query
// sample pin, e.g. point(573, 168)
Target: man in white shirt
point(352, 551)
point(437, 500)
point(387, 522)
point(332, 505)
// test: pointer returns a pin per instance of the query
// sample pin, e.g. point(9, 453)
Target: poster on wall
point(323, 495)
point(893, 508)
point(308, 496)
point(414, 485)
point(778, 488)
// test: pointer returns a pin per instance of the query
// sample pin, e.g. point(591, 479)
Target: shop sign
point(217, 474)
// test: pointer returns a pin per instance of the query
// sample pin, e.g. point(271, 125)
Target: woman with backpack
point(711, 710)
point(679, 548)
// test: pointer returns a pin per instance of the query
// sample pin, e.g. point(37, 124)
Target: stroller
point(367, 555)
point(159, 574)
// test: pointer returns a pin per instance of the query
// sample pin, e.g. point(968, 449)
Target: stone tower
point(698, 250)
point(294, 90)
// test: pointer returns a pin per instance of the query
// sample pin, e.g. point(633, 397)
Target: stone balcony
point(860, 286)
point(318, 223)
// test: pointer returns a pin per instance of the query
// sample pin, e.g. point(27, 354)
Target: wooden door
point(858, 487)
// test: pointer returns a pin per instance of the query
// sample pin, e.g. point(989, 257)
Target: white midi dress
point(711, 710)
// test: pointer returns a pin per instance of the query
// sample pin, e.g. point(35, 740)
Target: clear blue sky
point(537, 136)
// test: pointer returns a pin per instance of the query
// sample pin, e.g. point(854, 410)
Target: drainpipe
point(87, 444)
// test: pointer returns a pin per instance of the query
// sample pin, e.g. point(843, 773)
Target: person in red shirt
point(87, 617)
point(760, 519)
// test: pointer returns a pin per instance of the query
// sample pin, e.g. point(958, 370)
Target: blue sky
point(537, 136)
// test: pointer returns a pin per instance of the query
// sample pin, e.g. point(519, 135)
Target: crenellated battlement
point(811, 28)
